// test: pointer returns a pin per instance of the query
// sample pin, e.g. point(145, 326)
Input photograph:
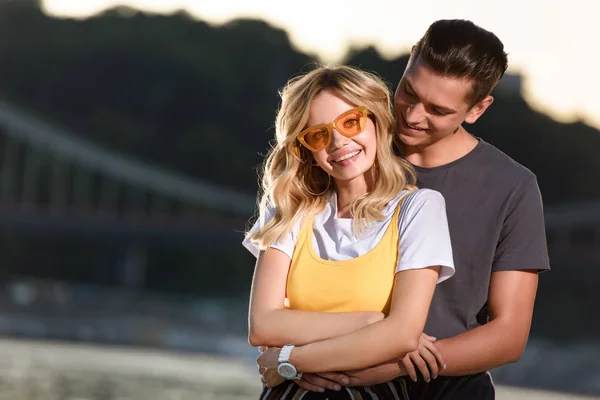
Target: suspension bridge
point(53, 182)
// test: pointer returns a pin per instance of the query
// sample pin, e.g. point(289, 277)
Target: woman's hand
point(427, 358)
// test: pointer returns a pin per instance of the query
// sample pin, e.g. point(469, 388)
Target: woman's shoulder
point(421, 204)
point(421, 197)
point(410, 201)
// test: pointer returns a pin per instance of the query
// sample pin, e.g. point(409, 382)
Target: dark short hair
point(461, 49)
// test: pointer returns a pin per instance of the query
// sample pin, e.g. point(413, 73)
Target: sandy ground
point(35, 370)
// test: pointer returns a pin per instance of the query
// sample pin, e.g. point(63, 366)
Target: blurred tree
point(151, 85)
point(201, 99)
point(178, 92)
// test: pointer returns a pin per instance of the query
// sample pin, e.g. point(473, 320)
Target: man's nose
point(415, 114)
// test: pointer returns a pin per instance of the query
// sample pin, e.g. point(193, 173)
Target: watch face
point(287, 370)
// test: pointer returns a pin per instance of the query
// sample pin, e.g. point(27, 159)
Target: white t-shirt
point(422, 225)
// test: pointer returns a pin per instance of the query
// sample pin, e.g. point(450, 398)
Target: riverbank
point(44, 370)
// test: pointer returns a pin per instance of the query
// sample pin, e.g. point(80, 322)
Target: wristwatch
point(285, 368)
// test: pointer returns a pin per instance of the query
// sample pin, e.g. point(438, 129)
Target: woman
point(349, 251)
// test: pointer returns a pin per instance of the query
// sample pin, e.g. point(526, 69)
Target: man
point(480, 318)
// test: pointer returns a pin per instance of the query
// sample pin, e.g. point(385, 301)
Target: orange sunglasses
point(350, 123)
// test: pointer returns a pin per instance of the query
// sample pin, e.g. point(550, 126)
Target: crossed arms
point(337, 341)
point(351, 341)
point(501, 341)
point(511, 297)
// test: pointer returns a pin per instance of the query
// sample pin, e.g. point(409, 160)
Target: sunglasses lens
point(317, 138)
point(352, 123)
point(349, 124)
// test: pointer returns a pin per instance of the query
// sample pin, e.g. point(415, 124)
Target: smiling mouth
point(410, 126)
point(347, 156)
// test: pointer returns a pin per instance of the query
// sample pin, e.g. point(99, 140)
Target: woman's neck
point(347, 192)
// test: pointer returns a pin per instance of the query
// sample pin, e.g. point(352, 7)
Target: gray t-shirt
point(496, 223)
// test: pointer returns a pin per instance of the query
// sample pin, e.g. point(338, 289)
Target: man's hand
point(427, 358)
point(268, 376)
point(381, 373)
point(320, 382)
point(313, 382)
point(268, 357)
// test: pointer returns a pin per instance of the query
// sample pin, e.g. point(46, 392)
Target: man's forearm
point(483, 348)
point(478, 350)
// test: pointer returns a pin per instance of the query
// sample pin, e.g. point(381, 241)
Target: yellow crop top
point(363, 283)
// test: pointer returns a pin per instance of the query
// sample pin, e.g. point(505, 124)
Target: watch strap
point(284, 353)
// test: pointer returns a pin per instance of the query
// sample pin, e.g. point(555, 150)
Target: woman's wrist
point(296, 357)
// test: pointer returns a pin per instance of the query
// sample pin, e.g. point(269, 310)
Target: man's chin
point(411, 140)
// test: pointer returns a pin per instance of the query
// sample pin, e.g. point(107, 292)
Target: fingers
point(410, 368)
point(270, 378)
point(304, 384)
point(432, 338)
point(430, 360)
point(437, 353)
point(427, 359)
point(421, 365)
point(269, 383)
point(338, 377)
point(312, 382)
point(321, 382)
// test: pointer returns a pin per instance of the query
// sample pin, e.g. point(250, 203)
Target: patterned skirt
point(393, 390)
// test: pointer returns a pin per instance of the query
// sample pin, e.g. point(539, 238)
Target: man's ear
point(478, 109)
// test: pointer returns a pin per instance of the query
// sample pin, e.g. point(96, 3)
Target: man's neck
point(442, 152)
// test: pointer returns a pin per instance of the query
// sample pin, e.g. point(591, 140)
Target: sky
point(552, 43)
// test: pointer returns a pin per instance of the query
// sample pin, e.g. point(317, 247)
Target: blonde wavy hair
point(294, 186)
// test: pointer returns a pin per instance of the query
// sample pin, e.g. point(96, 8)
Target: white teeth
point(347, 156)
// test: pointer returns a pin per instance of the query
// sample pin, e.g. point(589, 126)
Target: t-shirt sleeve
point(522, 242)
point(424, 234)
point(285, 244)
